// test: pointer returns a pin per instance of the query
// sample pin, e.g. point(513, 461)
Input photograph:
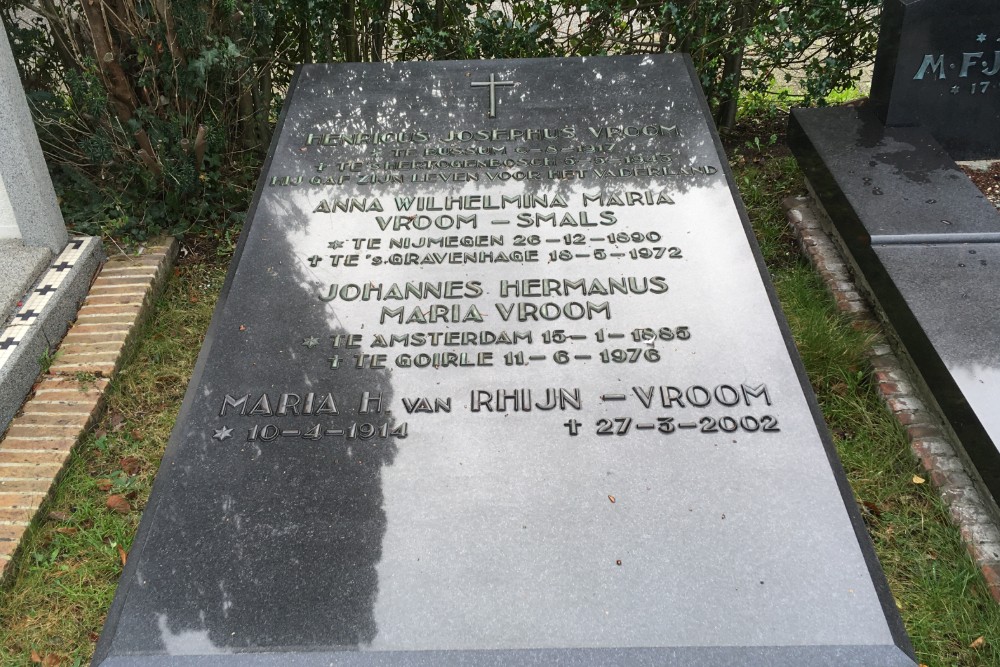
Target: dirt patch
point(988, 181)
point(757, 138)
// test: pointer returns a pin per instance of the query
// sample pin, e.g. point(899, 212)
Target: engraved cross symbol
point(492, 83)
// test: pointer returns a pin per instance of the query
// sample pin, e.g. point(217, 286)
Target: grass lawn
point(52, 612)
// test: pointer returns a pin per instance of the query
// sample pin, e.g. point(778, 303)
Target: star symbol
point(981, 37)
point(222, 433)
point(335, 245)
point(954, 90)
point(310, 342)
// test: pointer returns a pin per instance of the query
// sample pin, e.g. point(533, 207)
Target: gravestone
point(43, 273)
point(904, 211)
point(497, 378)
point(938, 66)
point(925, 242)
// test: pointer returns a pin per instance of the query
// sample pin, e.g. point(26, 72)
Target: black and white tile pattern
point(33, 306)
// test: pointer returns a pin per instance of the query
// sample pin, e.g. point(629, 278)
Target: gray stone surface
point(938, 66)
point(19, 372)
point(943, 302)
point(666, 494)
point(887, 185)
point(936, 283)
point(19, 267)
point(27, 200)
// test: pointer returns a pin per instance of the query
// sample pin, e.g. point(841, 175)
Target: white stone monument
point(28, 206)
point(44, 274)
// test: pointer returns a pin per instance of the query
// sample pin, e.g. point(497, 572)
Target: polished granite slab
point(944, 301)
point(497, 377)
point(926, 241)
point(887, 185)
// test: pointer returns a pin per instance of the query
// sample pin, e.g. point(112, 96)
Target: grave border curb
point(69, 398)
point(931, 443)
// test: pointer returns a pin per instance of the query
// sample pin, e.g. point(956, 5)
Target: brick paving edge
point(69, 398)
point(931, 443)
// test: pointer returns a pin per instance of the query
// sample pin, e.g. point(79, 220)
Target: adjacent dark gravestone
point(938, 66)
point(497, 378)
point(926, 242)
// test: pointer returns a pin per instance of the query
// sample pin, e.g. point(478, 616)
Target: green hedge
point(154, 114)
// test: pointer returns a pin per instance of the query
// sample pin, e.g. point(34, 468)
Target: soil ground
point(987, 180)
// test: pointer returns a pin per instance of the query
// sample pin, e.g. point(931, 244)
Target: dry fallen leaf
point(35, 657)
point(136, 434)
point(611, 498)
point(66, 530)
point(118, 504)
point(873, 508)
point(130, 465)
point(51, 660)
point(117, 419)
point(103, 484)
point(59, 516)
point(979, 642)
point(122, 554)
point(917, 479)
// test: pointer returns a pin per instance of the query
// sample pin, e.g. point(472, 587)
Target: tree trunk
point(379, 28)
point(305, 36)
point(121, 96)
point(732, 69)
point(163, 9)
point(351, 53)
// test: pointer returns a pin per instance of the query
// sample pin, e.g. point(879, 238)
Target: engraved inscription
point(979, 65)
point(589, 273)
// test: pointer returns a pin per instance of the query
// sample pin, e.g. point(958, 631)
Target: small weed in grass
point(46, 359)
point(85, 380)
